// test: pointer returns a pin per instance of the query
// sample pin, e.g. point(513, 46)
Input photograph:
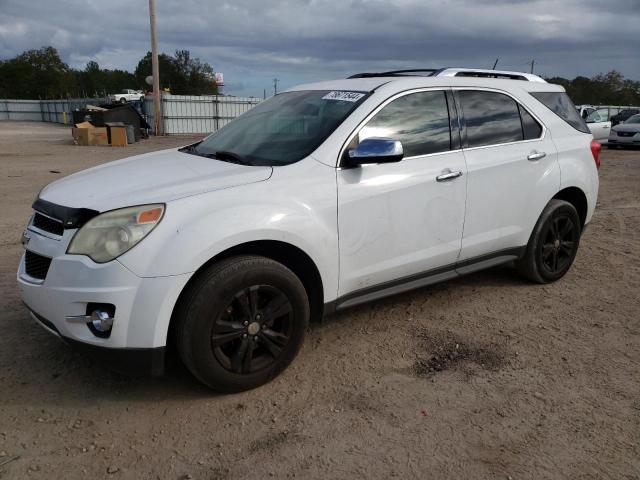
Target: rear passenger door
point(512, 172)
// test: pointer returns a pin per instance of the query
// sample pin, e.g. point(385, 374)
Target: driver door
point(399, 222)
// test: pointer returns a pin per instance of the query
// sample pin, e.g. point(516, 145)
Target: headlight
point(109, 235)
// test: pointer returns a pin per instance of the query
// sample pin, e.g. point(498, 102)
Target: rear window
point(560, 104)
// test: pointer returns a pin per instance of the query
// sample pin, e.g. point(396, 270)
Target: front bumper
point(127, 361)
point(616, 140)
point(143, 305)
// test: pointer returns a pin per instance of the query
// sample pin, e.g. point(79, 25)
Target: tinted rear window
point(491, 118)
point(560, 104)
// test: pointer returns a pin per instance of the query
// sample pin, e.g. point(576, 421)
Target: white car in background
point(323, 197)
point(127, 95)
point(598, 119)
point(626, 134)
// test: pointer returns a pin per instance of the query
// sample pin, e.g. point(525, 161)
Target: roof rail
point(455, 72)
point(431, 72)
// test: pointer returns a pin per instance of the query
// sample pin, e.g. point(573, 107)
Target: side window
point(491, 118)
point(531, 129)
point(587, 111)
point(604, 114)
point(419, 120)
point(594, 117)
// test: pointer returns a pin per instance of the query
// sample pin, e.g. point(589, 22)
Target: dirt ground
point(478, 378)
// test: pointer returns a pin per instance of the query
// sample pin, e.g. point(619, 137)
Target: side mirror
point(375, 150)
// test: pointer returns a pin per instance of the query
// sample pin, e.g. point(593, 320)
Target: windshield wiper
point(190, 148)
point(223, 155)
point(231, 156)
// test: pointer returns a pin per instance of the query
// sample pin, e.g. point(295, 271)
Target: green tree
point(36, 74)
point(604, 89)
point(181, 74)
point(94, 81)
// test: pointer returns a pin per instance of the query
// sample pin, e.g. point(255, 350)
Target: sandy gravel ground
point(478, 378)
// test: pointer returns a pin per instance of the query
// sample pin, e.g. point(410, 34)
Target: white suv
point(323, 197)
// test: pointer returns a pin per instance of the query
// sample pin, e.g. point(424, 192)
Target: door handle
point(448, 175)
point(535, 156)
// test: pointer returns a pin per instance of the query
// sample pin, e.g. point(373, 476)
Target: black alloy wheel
point(560, 243)
point(240, 322)
point(251, 333)
point(553, 244)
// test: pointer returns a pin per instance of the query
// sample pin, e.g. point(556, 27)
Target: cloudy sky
point(253, 41)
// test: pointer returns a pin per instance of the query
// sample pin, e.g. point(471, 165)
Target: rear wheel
point(241, 323)
point(553, 244)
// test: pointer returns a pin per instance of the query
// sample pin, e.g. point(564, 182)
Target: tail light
point(595, 151)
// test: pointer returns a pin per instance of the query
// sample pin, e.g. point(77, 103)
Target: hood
point(155, 177)
point(627, 127)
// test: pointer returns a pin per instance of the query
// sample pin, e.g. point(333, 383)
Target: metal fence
point(181, 114)
point(198, 114)
point(57, 111)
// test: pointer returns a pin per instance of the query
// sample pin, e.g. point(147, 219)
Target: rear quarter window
point(560, 104)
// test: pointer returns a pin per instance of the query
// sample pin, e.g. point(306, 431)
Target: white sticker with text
point(344, 96)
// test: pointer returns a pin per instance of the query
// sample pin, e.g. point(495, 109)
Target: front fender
point(298, 206)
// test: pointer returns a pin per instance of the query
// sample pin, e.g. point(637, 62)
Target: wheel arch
point(291, 256)
point(576, 197)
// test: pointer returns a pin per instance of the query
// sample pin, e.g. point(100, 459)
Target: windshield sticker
point(343, 96)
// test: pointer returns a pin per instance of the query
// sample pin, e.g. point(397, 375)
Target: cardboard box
point(89, 135)
point(118, 136)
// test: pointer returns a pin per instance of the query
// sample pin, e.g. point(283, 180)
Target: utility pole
point(495, 63)
point(275, 86)
point(154, 68)
point(532, 62)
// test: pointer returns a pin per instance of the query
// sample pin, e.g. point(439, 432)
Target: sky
point(254, 41)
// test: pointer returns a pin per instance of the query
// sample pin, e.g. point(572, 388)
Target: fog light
point(101, 321)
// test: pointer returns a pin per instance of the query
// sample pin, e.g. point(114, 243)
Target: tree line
point(41, 74)
point(603, 89)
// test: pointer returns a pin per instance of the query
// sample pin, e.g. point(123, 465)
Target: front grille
point(36, 265)
point(48, 224)
point(626, 134)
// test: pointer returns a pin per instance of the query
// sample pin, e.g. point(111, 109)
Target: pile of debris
point(115, 125)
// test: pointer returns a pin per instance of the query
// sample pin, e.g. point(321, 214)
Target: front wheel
point(241, 322)
point(553, 244)
point(123, 100)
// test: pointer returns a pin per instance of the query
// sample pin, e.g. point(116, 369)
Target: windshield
point(634, 119)
point(282, 130)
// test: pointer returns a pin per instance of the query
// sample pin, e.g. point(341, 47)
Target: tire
point(123, 100)
point(241, 322)
point(553, 243)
